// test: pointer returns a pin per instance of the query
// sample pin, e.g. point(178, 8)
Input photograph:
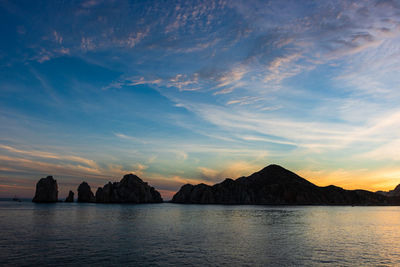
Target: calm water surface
point(170, 234)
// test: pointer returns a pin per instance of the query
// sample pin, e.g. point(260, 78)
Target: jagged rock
point(85, 194)
point(106, 195)
point(275, 185)
point(131, 189)
point(99, 195)
point(46, 190)
point(70, 197)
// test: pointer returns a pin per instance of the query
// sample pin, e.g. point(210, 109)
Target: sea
point(78, 234)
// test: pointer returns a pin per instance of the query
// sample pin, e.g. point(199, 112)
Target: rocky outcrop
point(275, 185)
point(46, 190)
point(70, 197)
point(85, 194)
point(131, 189)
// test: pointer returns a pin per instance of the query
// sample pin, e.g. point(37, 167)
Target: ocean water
point(74, 234)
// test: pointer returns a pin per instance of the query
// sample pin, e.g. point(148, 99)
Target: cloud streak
point(190, 91)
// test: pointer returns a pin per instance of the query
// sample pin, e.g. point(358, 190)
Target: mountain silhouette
point(275, 185)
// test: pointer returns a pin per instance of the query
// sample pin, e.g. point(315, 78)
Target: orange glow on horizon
point(380, 180)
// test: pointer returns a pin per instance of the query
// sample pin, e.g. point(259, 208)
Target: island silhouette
point(273, 185)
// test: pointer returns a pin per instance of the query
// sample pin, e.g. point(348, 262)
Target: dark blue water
point(170, 234)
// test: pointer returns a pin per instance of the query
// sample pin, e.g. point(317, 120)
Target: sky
point(197, 91)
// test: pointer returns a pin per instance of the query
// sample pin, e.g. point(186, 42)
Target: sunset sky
point(197, 91)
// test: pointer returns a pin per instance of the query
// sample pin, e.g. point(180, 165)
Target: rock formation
point(85, 194)
point(131, 189)
point(275, 185)
point(46, 190)
point(70, 197)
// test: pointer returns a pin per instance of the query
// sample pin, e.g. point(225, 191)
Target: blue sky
point(197, 91)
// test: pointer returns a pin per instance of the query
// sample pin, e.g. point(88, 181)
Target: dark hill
point(392, 193)
point(275, 185)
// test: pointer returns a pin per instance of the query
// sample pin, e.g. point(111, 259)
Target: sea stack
point(131, 189)
point(46, 191)
point(70, 197)
point(85, 194)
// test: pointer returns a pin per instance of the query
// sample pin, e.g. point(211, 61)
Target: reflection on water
point(172, 234)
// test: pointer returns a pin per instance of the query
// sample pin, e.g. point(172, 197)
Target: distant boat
point(15, 198)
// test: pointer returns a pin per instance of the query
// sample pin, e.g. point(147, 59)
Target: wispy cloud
point(131, 138)
point(246, 100)
point(284, 67)
point(42, 167)
point(49, 163)
point(199, 86)
point(49, 155)
point(231, 77)
point(301, 133)
point(184, 83)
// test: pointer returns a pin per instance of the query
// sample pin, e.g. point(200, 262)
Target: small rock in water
point(70, 197)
